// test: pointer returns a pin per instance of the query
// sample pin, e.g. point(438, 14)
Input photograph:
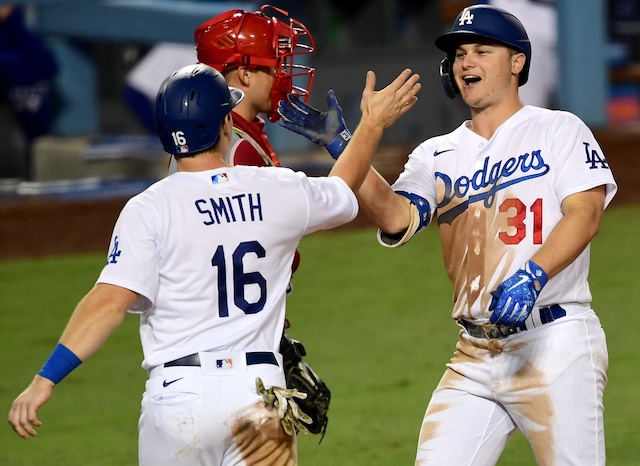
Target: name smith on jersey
point(238, 208)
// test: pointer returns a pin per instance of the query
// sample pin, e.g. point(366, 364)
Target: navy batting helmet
point(477, 23)
point(191, 106)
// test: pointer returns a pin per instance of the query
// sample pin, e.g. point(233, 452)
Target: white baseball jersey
point(497, 200)
point(210, 255)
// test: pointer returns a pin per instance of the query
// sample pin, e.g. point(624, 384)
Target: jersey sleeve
point(331, 202)
point(581, 163)
point(132, 260)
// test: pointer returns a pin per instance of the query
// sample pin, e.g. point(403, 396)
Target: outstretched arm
point(380, 109)
point(97, 315)
point(389, 211)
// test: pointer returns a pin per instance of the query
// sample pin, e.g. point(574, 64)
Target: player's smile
point(470, 80)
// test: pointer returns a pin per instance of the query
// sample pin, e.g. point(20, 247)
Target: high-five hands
point(326, 129)
point(329, 129)
point(393, 101)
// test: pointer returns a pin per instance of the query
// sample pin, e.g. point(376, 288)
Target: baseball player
point(204, 257)
point(258, 53)
point(518, 193)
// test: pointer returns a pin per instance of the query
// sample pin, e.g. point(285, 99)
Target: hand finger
point(492, 304)
point(508, 310)
point(522, 315)
point(499, 313)
point(300, 426)
point(287, 110)
point(411, 85)
point(22, 421)
point(514, 312)
point(408, 93)
point(298, 413)
point(287, 426)
point(298, 104)
point(259, 385)
point(400, 80)
point(281, 405)
point(332, 101)
point(370, 83)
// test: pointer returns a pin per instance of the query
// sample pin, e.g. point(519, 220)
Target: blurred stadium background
point(97, 153)
point(61, 194)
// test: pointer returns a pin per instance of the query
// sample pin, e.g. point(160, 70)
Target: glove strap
point(337, 146)
point(536, 272)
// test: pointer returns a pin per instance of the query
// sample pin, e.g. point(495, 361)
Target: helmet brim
point(236, 97)
point(450, 41)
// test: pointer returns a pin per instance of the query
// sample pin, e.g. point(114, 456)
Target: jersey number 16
point(240, 279)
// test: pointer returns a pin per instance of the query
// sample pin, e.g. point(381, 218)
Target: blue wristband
point(424, 209)
point(60, 364)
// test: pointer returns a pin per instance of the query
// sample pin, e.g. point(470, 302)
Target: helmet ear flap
point(446, 76)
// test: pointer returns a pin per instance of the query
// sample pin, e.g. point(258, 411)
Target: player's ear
point(243, 75)
point(518, 61)
point(227, 125)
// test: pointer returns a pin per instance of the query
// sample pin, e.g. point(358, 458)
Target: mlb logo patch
point(220, 178)
point(224, 363)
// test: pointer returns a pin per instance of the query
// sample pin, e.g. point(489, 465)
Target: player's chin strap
point(420, 218)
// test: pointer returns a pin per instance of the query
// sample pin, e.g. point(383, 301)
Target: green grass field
point(375, 323)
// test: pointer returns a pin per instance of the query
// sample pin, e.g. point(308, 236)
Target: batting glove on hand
point(326, 129)
point(289, 413)
point(514, 298)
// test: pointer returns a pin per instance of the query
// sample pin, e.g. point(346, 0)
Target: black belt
point(258, 357)
point(492, 331)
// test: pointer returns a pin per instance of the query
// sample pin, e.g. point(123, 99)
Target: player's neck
point(246, 111)
point(485, 121)
point(208, 160)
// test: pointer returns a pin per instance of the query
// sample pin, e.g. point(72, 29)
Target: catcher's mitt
point(300, 376)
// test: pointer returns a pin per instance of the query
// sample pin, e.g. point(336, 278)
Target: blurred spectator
point(144, 79)
point(540, 19)
point(27, 71)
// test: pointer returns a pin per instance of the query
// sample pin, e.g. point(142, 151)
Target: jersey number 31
point(517, 221)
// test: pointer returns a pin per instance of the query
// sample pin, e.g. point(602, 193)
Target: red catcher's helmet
point(240, 37)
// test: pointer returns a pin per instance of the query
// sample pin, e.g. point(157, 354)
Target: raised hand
point(380, 109)
point(326, 129)
point(390, 103)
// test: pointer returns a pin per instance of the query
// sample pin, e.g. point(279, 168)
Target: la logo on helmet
point(466, 17)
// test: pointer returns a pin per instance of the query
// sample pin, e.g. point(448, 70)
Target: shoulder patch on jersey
point(115, 252)
point(594, 160)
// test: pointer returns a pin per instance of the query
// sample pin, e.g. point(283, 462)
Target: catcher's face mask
point(253, 39)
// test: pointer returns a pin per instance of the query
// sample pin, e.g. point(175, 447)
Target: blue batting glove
point(514, 298)
point(326, 129)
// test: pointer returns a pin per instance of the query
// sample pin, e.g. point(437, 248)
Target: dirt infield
point(39, 226)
